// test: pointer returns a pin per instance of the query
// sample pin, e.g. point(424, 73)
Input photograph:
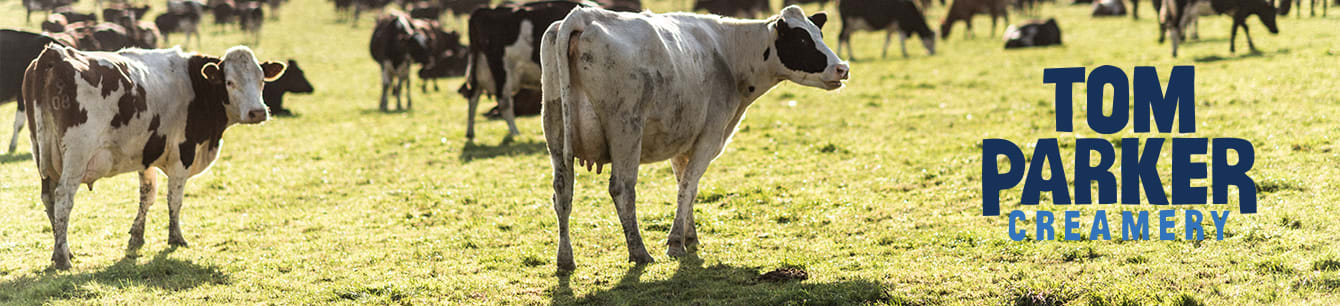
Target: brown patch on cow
point(206, 117)
point(155, 146)
point(49, 85)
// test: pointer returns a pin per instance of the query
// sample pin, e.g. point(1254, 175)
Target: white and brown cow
point(505, 54)
point(98, 114)
point(627, 89)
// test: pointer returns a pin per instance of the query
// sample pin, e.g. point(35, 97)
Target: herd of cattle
point(613, 84)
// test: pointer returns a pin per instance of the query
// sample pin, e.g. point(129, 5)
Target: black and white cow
point(1033, 33)
point(94, 115)
point(901, 16)
point(17, 50)
point(1104, 8)
point(293, 80)
point(183, 16)
point(251, 17)
point(397, 43)
point(1177, 15)
point(505, 54)
point(627, 89)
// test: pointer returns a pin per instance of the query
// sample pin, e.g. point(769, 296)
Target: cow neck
point(748, 41)
point(206, 116)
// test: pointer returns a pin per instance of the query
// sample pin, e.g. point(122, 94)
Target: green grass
point(873, 190)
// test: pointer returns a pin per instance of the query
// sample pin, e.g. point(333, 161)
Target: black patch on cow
point(129, 105)
point(154, 147)
point(493, 29)
point(751, 89)
point(766, 53)
point(206, 117)
point(797, 50)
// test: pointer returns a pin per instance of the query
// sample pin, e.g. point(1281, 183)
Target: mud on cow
point(505, 54)
point(626, 89)
point(98, 114)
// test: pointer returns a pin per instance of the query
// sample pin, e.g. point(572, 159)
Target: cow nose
point(843, 71)
point(257, 115)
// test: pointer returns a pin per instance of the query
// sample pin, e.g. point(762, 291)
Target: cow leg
point(148, 188)
point(625, 148)
point(688, 169)
point(1248, 34)
point(1233, 37)
point(75, 162)
point(399, 83)
point(888, 37)
point(386, 82)
point(472, 107)
point(563, 179)
point(176, 187)
point(409, 93)
point(19, 117)
point(968, 23)
point(902, 41)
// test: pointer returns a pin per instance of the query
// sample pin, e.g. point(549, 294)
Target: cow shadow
point(1244, 55)
point(160, 273)
point(507, 147)
point(9, 158)
point(692, 283)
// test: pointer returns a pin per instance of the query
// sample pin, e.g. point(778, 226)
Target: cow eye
point(230, 84)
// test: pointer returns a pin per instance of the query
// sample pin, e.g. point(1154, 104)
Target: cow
point(1033, 33)
point(183, 16)
point(17, 49)
point(293, 80)
point(224, 11)
point(627, 89)
point(250, 17)
point(1103, 8)
point(734, 8)
point(505, 54)
point(42, 5)
point(98, 114)
point(397, 43)
point(56, 22)
point(452, 58)
point(963, 10)
point(1177, 15)
point(120, 13)
point(901, 16)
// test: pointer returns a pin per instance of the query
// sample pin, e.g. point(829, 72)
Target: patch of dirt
point(784, 275)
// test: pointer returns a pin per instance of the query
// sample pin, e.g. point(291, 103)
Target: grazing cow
point(42, 5)
point(183, 16)
point(397, 43)
point(250, 17)
point(1177, 15)
point(98, 114)
point(1033, 33)
point(627, 89)
point(1103, 8)
point(901, 16)
point(734, 8)
point(17, 49)
point(505, 54)
point(963, 10)
point(293, 80)
point(451, 59)
point(463, 7)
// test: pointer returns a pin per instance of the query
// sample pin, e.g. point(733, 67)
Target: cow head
point(293, 80)
point(1267, 14)
point(802, 56)
point(243, 78)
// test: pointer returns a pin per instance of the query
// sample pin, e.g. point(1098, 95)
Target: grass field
point(873, 189)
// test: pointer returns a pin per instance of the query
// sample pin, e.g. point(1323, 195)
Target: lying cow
point(963, 10)
point(626, 89)
point(17, 49)
point(293, 80)
point(1178, 15)
point(505, 54)
point(901, 16)
point(97, 114)
point(1104, 8)
point(452, 59)
point(1033, 33)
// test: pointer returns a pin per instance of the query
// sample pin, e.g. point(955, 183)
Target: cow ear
point(781, 26)
point(819, 19)
point(212, 73)
point(273, 70)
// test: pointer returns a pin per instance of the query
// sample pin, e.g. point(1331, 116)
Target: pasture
point(872, 189)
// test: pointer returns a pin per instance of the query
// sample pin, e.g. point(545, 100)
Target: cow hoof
point(676, 251)
point(641, 259)
point(178, 242)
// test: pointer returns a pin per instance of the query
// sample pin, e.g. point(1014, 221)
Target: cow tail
point(568, 29)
